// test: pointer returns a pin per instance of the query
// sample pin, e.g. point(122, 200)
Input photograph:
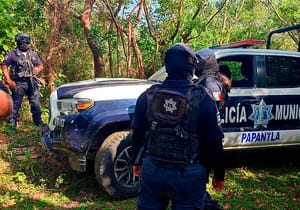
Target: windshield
point(159, 76)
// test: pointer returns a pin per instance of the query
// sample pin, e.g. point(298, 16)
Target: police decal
point(287, 112)
point(261, 114)
point(170, 105)
point(235, 114)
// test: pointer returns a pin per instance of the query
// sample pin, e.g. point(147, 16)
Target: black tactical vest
point(172, 134)
point(24, 65)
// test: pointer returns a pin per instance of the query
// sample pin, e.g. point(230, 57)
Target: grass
point(31, 178)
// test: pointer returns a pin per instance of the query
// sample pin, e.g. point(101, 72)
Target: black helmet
point(23, 37)
point(180, 61)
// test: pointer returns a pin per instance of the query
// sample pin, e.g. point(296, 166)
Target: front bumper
point(70, 138)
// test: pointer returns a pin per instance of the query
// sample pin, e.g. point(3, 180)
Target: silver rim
point(123, 169)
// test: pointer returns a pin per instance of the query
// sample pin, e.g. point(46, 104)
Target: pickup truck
point(90, 120)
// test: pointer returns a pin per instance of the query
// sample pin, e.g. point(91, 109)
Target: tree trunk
point(57, 23)
point(99, 66)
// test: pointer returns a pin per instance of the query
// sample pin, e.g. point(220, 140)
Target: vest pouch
point(164, 145)
point(25, 64)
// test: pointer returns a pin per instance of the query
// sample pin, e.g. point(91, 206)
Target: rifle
point(139, 158)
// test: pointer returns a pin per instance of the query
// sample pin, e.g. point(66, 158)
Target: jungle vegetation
point(83, 39)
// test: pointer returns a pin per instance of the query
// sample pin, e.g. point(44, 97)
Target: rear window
point(282, 71)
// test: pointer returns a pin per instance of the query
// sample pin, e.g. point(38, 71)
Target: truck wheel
point(113, 168)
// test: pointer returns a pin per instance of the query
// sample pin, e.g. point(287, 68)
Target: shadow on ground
point(276, 157)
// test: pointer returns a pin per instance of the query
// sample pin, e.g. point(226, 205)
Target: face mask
point(24, 46)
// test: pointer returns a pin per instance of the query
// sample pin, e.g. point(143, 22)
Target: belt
point(171, 162)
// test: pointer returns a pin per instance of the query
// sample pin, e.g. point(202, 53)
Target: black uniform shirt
point(11, 59)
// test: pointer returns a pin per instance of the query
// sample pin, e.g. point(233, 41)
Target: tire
point(113, 167)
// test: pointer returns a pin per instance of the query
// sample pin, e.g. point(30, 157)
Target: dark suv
point(90, 120)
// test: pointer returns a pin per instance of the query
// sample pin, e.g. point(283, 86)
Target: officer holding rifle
point(21, 68)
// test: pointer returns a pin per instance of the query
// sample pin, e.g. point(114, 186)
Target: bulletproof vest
point(172, 134)
point(224, 92)
point(24, 66)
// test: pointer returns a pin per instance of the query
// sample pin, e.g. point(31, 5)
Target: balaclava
point(180, 62)
point(23, 41)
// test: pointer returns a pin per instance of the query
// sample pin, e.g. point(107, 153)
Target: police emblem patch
point(170, 105)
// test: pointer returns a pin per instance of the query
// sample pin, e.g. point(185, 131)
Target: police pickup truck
point(90, 120)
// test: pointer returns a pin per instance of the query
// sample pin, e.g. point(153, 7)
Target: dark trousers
point(162, 183)
point(33, 95)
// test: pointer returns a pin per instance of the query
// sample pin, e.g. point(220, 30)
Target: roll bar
point(282, 30)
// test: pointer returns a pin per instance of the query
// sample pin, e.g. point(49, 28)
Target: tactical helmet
point(180, 61)
point(23, 37)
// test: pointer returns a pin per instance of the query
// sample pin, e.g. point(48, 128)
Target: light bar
point(244, 44)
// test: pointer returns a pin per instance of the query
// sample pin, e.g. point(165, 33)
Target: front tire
point(113, 167)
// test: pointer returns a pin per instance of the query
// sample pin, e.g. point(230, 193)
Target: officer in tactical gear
point(210, 76)
point(20, 68)
point(217, 80)
point(176, 124)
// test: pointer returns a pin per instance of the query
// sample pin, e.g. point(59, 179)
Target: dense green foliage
point(7, 29)
point(37, 180)
point(200, 23)
point(130, 37)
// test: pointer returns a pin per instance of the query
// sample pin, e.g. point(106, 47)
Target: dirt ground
point(3, 139)
point(36, 151)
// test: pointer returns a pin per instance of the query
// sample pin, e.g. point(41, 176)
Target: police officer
point(209, 76)
point(178, 124)
point(20, 68)
point(216, 80)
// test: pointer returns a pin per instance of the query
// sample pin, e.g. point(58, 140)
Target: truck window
point(241, 67)
point(282, 71)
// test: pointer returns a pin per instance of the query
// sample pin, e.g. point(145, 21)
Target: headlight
point(72, 106)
